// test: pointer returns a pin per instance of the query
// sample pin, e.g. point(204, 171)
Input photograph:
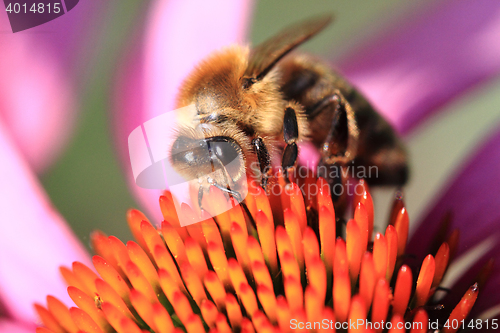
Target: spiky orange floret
point(226, 274)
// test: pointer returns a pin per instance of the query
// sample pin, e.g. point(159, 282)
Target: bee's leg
point(290, 134)
point(228, 191)
point(340, 144)
point(264, 161)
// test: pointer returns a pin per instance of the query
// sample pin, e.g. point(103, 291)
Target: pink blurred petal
point(473, 199)
point(423, 64)
point(40, 72)
point(177, 37)
point(34, 238)
point(7, 326)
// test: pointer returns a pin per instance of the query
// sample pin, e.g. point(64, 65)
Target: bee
point(254, 104)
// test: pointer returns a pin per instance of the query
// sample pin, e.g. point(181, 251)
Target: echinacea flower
point(225, 275)
point(461, 191)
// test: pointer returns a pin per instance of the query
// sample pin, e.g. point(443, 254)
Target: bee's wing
point(264, 56)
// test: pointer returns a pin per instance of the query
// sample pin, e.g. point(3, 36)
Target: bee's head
point(209, 159)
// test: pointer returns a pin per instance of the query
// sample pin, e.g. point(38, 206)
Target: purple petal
point(40, 72)
point(7, 326)
point(473, 199)
point(177, 37)
point(34, 239)
point(425, 63)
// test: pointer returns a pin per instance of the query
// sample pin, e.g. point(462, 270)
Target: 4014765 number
point(35, 8)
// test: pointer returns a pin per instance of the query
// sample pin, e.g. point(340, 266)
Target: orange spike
point(329, 316)
point(168, 210)
point(380, 256)
point(236, 216)
point(401, 225)
point(182, 307)
point(233, 311)
point(367, 278)
point(100, 245)
point(341, 294)
point(161, 319)
point(381, 302)
point(293, 230)
point(265, 229)
point(151, 237)
point(72, 280)
point(139, 281)
point(316, 276)
point(48, 320)
point(254, 251)
point(361, 218)
point(297, 206)
point(294, 293)
point(262, 204)
point(391, 237)
point(442, 257)
point(236, 274)
point(402, 291)
point(215, 288)
point(289, 266)
point(110, 275)
point(119, 322)
point(268, 301)
point(84, 322)
point(87, 304)
point(420, 322)
point(209, 312)
point(164, 261)
point(340, 263)
point(327, 236)
point(219, 262)
point(261, 322)
point(211, 232)
point(143, 307)
point(261, 275)
point(222, 325)
point(323, 198)
point(424, 280)
point(134, 219)
point(169, 288)
point(119, 250)
point(310, 245)
point(357, 312)
point(194, 229)
point(314, 304)
point(215, 203)
point(195, 257)
point(87, 276)
point(61, 313)
point(283, 313)
point(354, 250)
point(362, 195)
point(142, 261)
point(174, 243)
point(109, 294)
point(193, 283)
point(239, 239)
point(246, 326)
point(397, 324)
point(462, 310)
point(248, 299)
point(397, 205)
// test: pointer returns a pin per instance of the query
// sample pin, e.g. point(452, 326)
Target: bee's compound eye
point(227, 152)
